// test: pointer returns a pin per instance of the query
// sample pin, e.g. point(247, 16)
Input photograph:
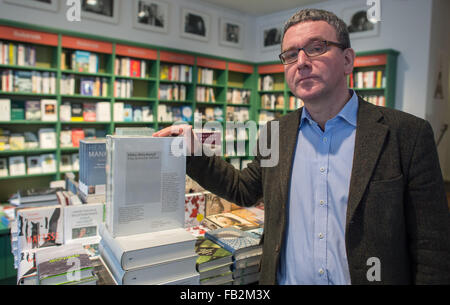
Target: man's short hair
point(321, 15)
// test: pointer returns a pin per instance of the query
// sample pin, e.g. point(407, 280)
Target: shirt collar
point(349, 113)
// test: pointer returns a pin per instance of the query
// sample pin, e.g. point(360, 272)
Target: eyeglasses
point(313, 49)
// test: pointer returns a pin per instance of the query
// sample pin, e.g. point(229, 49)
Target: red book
point(77, 135)
point(135, 68)
point(89, 112)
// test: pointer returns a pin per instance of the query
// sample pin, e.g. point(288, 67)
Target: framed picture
point(100, 10)
point(151, 15)
point(271, 38)
point(48, 5)
point(194, 24)
point(231, 33)
point(358, 24)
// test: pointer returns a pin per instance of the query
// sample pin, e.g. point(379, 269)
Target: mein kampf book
point(140, 250)
point(145, 185)
point(155, 274)
point(65, 264)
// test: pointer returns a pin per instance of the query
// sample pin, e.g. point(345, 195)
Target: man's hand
point(181, 130)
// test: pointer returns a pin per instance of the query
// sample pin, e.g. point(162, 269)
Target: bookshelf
point(231, 89)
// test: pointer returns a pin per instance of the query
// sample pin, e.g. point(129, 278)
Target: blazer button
point(277, 248)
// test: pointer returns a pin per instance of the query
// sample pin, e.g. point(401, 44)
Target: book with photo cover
point(225, 220)
point(82, 221)
point(17, 166)
point(34, 165)
point(32, 110)
point(236, 241)
point(48, 111)
point(216, 204)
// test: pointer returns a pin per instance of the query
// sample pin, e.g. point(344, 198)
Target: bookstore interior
point(84, 86)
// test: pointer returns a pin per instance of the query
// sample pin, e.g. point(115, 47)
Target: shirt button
point(322, 202)
point(322, 169)
point(325, 140)
point(321, 271)
point(320, 235)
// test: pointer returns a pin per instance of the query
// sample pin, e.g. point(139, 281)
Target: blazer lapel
point(369, 139)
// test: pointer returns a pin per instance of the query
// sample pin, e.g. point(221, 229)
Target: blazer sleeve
point(426, 208)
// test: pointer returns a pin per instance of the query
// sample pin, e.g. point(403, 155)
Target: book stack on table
point(144, 240)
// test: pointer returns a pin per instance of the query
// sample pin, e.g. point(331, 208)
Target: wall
point(398, 17)
point(438, 109)
point(124, 28)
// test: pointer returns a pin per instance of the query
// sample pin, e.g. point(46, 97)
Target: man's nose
point(302, 58)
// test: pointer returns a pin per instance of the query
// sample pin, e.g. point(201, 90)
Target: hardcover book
point(63, 265)
point(194, 209)
point(39, 227)
point(48, 111)
point(225, 220)
point(32, 110)
point(145, 185)
point(92, 166)
point(210, 254)
point(17, 166)
point(34, 165)
point(48, 163)
point(82, 221)
point(47, 138)
point(5, 110)
point(234, 240)
point(3, 167)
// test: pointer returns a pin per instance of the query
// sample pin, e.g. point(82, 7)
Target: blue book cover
point(92, 163)
point(82, 61)
point(186, 113)
point(87, 86)
point(127, 113)
point(22, 81)
point(233, 239)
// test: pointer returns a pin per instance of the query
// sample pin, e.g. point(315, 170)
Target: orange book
point(135, 68)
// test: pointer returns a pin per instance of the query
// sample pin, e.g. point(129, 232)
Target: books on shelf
point(47, 138)
point(237, 114)
point(295, 102)
point(167, 113)
point(5, 110)
point(238, 96)
point(130, 67)
point(123, 88)
point(132, 113)
point(4, 172)
point(272, 101)
point(84, 61)
point(28, 82)
point(48, 111)
point(172, 92)
point(33, 110)
point(266, 83)
point(368, 79)
point(181, 73)
point(378, 100)
point(17, 54)
point(17, 166)
point(205, 76)
point(205, 94)
point(145, 185)
point(48, 163)
point(34, 165)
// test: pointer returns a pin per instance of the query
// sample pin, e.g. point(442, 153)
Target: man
point(357, 196)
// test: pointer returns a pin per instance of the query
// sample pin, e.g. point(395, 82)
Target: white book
point(48, 163)
point(140, 250)
point(75, 162)
point(5, 110)
point(34, 165)
point(118, 112)
point(145, 184)
point(149, 275)
point(103, 112)
point(17, 166)
point(193, 279)
point(48, 111)
point(3, 167)
point(65, 112)
point(66, 163)
point(65, 138)
point(47, 138)
point(82, 221)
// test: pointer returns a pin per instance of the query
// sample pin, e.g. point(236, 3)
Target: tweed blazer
point(397, 208)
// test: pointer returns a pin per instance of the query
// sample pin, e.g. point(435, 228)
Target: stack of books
point(65, 265)
point(155, 258)
point(246, 252)
point(214, 263)
point(144, 240)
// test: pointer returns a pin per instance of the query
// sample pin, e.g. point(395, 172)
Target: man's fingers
point(170, 131)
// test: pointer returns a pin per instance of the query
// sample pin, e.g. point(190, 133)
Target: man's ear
point(349, 60)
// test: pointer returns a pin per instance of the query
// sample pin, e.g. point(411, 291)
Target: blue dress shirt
point(314, 248)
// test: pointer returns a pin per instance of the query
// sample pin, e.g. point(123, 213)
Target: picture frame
point(103, 11)
point(231, 33)
point(271, 37)
point(151, 15)
point(46, 5)
point(358, 25)
point(195, 24)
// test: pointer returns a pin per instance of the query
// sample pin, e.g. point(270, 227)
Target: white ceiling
point(261, 7)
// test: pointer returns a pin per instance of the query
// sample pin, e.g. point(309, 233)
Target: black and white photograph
point(195, 25)
point(47, 5)
point(151, 15)
point(101, 10)
point(271, 37)
point(358, 24)
point(231, 33)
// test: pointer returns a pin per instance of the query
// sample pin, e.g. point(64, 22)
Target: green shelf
point(27, 151)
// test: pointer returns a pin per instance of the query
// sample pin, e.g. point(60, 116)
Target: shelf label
point(176, 58)
point(236, 67)
point(86, 44)
point(124, 50)
point(274, 68)
point(370, 60)
point(11, 33)
point(211, 63)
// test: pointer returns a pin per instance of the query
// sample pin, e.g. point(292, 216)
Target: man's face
point(310, 78)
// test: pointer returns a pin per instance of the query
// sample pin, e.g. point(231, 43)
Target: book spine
point(219, 242)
